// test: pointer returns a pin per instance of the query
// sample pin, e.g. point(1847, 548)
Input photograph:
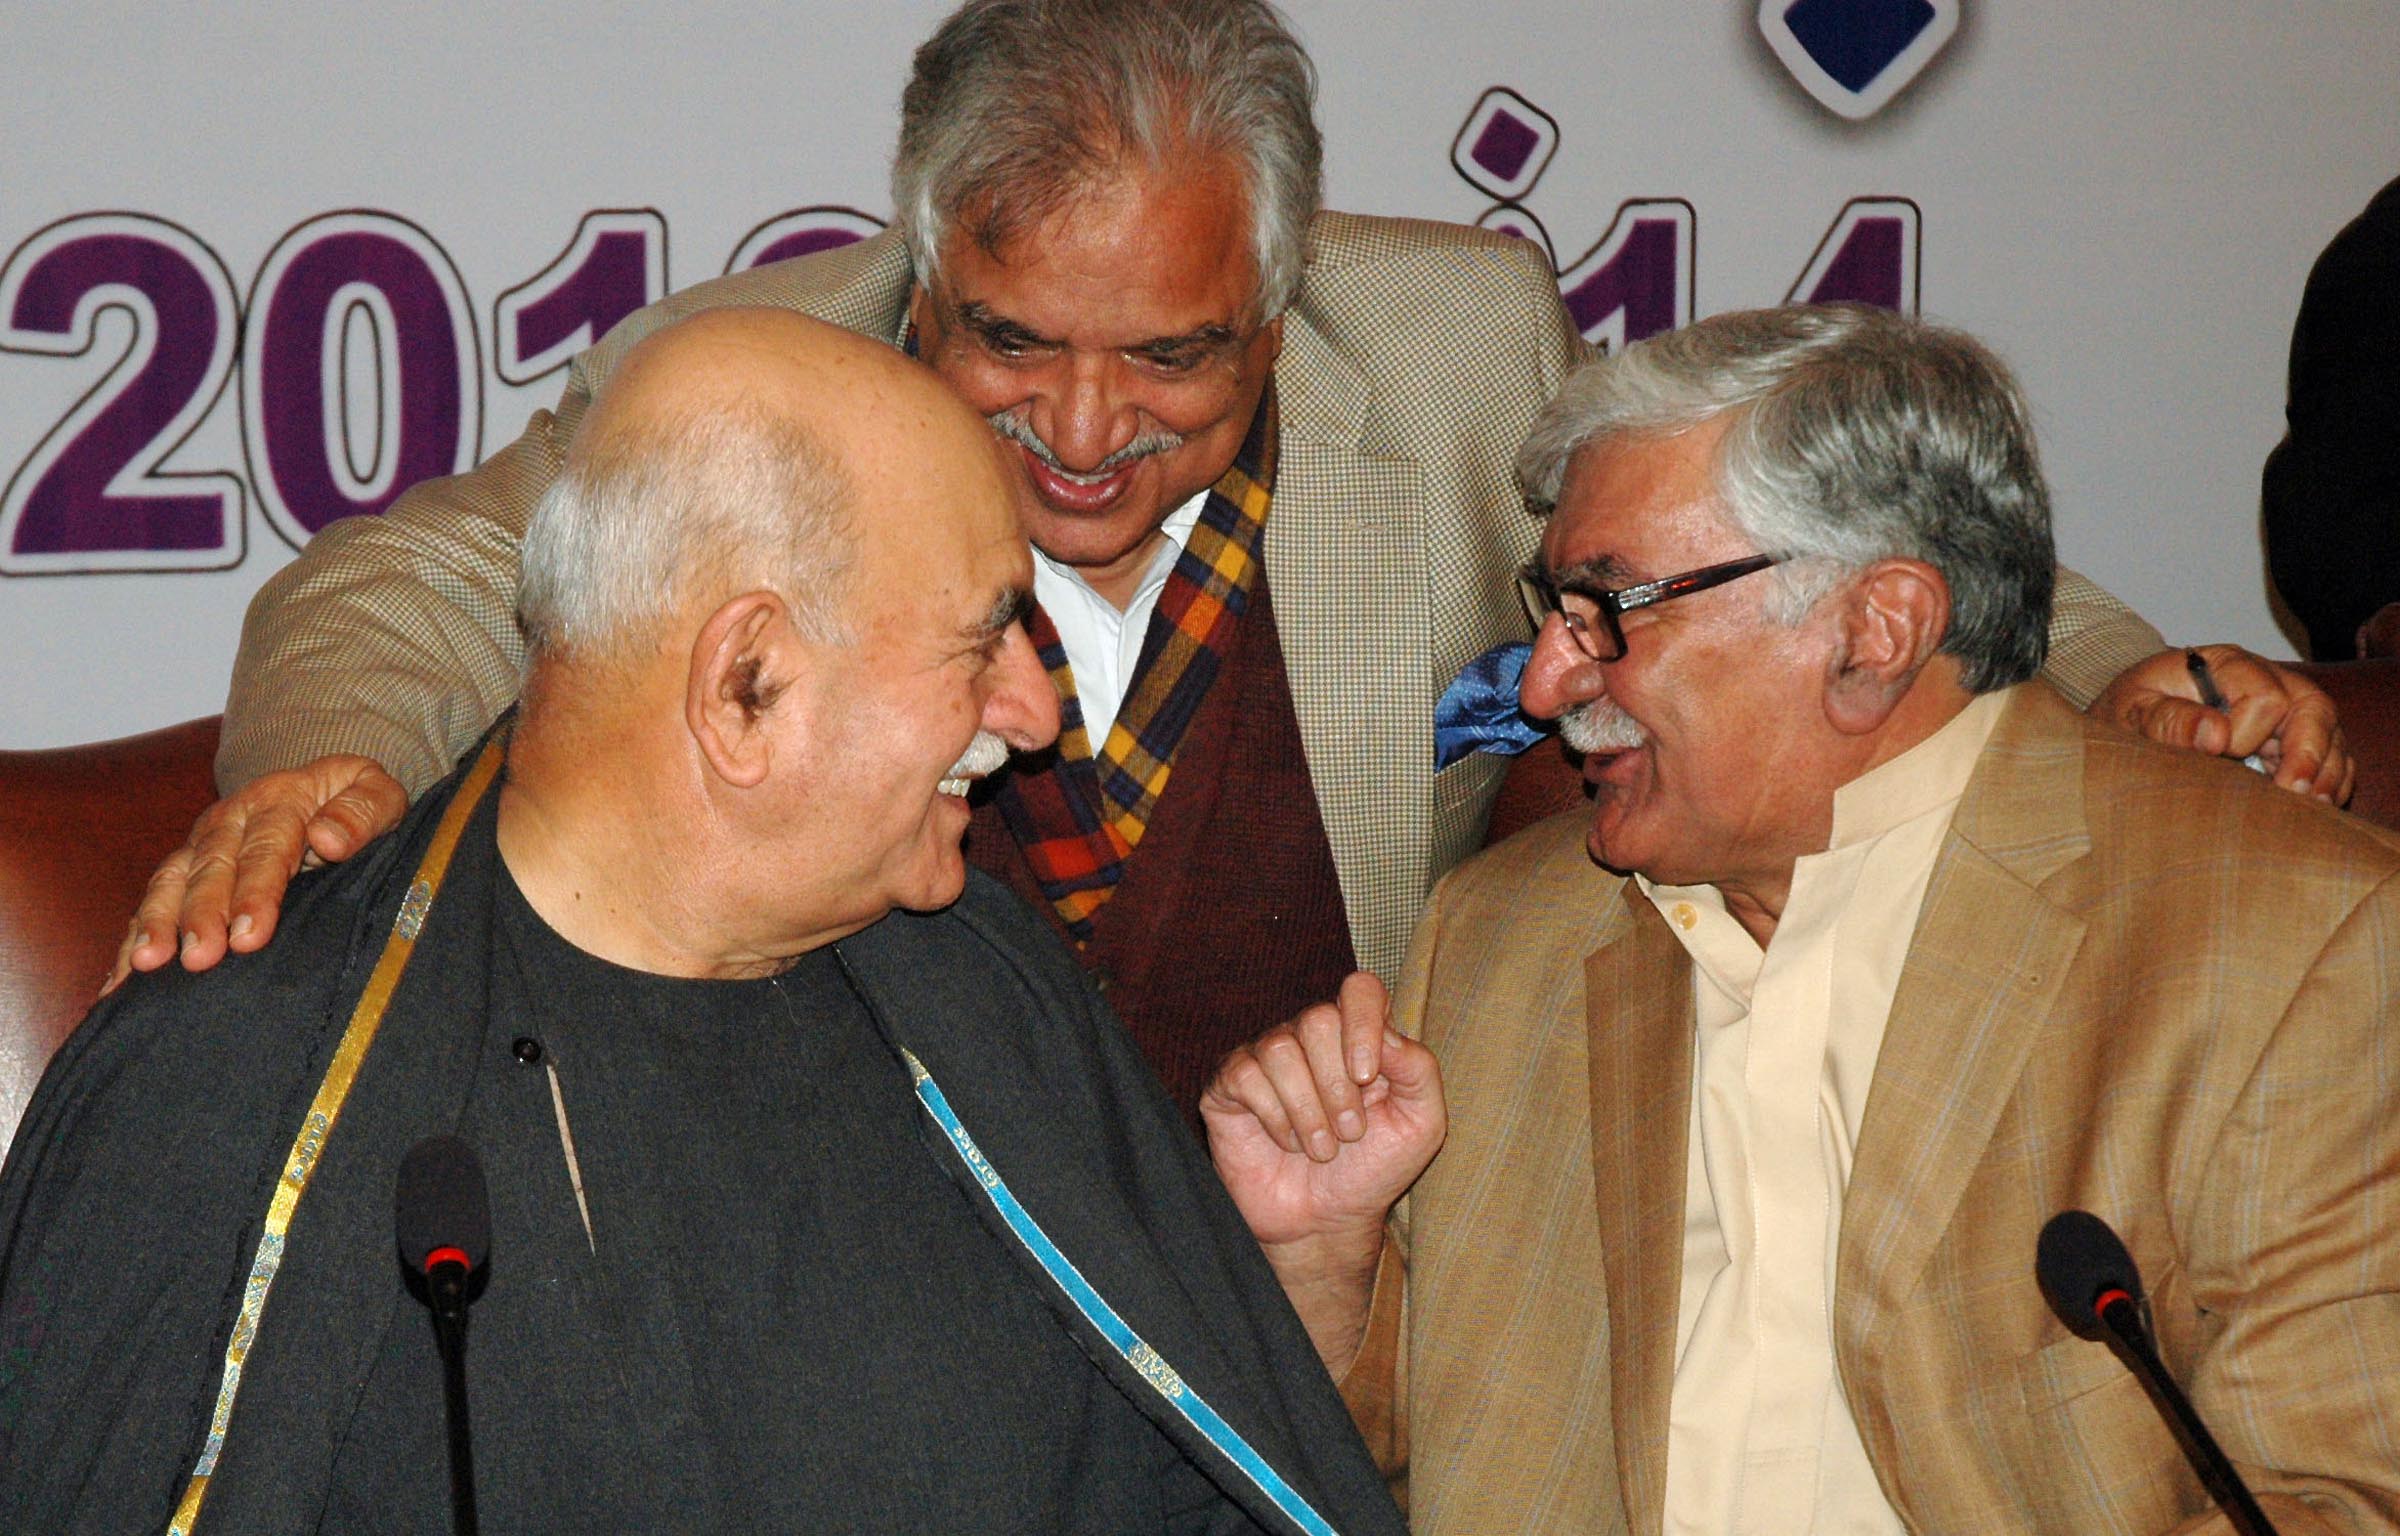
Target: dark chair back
point(81, 828)
point(2367, 696)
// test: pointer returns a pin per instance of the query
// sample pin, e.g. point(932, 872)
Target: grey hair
point(1017, 107)
point(684, 509)
point(1861, 436)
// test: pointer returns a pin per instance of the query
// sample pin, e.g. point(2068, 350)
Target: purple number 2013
point(93, 495)
point(361, 370)
point(616, 263)
point(298, 427)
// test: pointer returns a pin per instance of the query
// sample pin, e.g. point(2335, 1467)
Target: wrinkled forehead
point(930, 486)
point(1634, 507)
point(958, 558)
point(1167, 238)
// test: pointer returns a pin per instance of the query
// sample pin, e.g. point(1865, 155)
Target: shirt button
point(526, 1049)
point(1685, 917)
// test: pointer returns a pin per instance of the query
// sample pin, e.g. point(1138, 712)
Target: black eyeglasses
point(1591, 615)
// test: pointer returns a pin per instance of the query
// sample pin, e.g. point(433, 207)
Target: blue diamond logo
point(1854, 56)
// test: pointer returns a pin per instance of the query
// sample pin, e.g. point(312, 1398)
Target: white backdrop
point(2125, 199)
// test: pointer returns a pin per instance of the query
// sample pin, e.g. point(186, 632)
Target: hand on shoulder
point(2269, 711)
point(223, 889)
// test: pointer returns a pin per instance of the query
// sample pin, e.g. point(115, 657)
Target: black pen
point(2214, 697)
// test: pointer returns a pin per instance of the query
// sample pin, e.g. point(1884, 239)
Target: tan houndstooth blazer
point(2143, 984)
point(1413, 361)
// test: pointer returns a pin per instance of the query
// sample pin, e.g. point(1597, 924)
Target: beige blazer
point(2143, 984)
point(1413, 361)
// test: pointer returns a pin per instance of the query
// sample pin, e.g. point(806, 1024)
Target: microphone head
point(439, 1203)
point(2081, 1263)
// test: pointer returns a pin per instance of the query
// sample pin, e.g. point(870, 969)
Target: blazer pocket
point(1478, 773)
point(1462, 803)
point(2097, 1445)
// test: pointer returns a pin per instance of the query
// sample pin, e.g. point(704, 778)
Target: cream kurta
point(1760, 1437)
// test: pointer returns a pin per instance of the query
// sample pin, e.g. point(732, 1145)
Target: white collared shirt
point(1102, 644)
point(1760, 1438)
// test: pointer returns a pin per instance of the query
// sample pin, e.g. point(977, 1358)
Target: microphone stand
point(443, 1221)
point(2121, 1320)
point(446, 1282)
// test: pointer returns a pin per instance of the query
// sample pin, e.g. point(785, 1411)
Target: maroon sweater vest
point(1229, 918)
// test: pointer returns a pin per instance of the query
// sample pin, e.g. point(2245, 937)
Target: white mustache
point(984, 755)
point(1012, 425)
point(1598, 725)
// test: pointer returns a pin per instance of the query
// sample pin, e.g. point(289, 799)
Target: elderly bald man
point(824, 1197)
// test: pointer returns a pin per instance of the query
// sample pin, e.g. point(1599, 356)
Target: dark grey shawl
point(132, 1200)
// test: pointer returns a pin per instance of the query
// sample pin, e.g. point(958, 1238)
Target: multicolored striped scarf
point(1079, 816)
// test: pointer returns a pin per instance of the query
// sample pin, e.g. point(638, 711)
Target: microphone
point(2091, 1283)
point(444, 1223)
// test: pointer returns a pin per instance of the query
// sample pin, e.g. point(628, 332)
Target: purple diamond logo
point(1505, 144)
point(1854, 56)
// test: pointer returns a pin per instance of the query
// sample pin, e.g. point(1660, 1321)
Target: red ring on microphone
point(457, 1256)
point(2100, 1303)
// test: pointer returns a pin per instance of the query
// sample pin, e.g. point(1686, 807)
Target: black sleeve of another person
point(2332, 489)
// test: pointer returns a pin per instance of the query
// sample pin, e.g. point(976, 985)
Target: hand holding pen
point(2214, 697)
point(2221, 699)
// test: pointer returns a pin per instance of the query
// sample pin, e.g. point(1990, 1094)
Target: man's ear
point(742, 660)
point(1273, 332)
point(1893, 618)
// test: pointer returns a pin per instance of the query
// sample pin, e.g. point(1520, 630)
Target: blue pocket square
point(1478, 712)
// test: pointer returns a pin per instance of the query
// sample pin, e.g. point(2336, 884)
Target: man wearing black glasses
point(1591, 612)
point(1760, 1079)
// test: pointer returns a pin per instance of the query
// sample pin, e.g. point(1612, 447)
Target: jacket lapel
point(1638, 992)
point(1984, 970)
point(1346, 567)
